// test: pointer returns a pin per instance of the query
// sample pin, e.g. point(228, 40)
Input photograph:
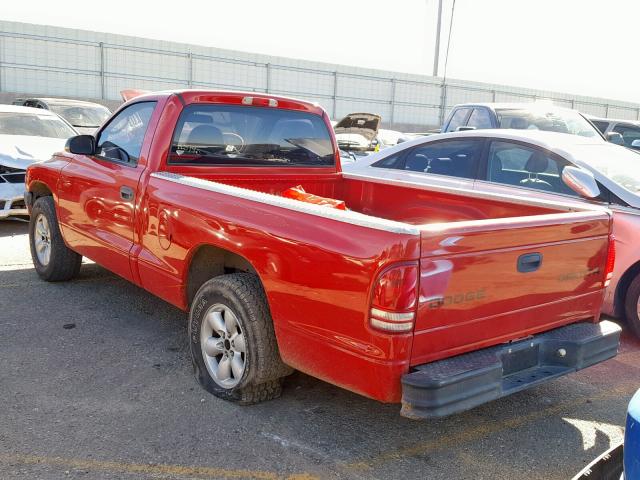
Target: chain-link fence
point(56, 61)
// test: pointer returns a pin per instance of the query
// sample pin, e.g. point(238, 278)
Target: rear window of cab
point(211, 135)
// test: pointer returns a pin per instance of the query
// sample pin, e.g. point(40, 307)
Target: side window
point(479, 119)
point(454, 158)
point(122, 138)
point(210, 135)
point(392, 161)
point(600, 125)
point(458, 119)
point(629, 133)
point(521, 166)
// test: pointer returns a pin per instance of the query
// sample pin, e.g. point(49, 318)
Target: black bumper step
point(460, 383)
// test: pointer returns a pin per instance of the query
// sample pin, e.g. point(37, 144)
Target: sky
point(582, 47)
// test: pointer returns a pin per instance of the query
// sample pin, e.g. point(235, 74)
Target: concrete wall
point(53, 61)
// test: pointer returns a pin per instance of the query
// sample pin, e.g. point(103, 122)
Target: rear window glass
point(250, 136)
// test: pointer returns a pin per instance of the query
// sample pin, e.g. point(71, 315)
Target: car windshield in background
point(250, 136)
point(86, 117)
point(34, 125)
point(352, 140)
point(619, 164)
point(550, 120)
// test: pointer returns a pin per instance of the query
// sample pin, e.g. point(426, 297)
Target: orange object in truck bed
point(298, 193)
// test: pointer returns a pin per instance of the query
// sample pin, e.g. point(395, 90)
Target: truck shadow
point(11, 227)
point(122, 343)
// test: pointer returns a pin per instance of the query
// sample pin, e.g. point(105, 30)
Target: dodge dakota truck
point(440, 299)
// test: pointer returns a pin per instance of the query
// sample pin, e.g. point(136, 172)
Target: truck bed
point(467, 247)
point(398, 201)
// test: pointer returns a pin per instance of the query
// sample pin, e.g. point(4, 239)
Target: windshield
point(548, 119)
point(617, 163)
point(82, 116)
point(352, 140)
point(34, 125)
point(250, 136)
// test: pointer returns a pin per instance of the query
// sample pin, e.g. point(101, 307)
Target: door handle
point(126, 193)
point(529, 262)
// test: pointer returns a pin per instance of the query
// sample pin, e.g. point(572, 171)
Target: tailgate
point(488, 282)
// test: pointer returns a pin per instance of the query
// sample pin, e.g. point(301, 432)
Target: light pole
point(436, 55)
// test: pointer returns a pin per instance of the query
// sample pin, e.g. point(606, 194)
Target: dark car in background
point(86, 117)
point(523, 116)
point(628, 129)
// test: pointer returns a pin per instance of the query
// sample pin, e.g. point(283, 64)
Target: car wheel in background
point(632, 306)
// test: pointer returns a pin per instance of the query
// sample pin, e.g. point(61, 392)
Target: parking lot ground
point(96, 383)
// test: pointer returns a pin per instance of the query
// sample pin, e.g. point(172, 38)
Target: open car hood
point(363, 124)
point(20, 151)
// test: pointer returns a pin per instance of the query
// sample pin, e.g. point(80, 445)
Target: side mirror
point(614, 137)
point(464, 128)
point(81, 145)
point(580, 181)
point(635, 143)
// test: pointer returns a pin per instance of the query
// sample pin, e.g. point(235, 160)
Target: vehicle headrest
point(416, 163)
point(205, 135)
point(198, 118)
point(496, 167)
point(519, 123)
point(537, 163)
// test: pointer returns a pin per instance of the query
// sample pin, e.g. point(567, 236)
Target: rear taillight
point(394, 299)
point(611, 261)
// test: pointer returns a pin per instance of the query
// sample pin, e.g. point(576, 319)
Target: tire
point(60, 263)
point(632, 306)
point(233, 344)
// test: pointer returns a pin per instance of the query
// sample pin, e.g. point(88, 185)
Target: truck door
point(97, 193)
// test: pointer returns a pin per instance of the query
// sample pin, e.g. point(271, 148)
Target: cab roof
point(189, 96)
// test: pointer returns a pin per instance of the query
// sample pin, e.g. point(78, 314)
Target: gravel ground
point(97, 384)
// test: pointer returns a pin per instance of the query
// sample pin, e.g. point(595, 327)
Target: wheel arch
point(40, 189)
point(623, 286)
point(207, 261)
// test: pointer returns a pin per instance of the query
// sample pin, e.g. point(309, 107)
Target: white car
point(27, 135)
point(359, 134)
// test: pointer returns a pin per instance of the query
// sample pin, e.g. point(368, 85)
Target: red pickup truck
point(438, 298)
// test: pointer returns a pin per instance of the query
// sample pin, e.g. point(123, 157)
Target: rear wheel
point(632, 306)
point(233, 346)
point(52, 259)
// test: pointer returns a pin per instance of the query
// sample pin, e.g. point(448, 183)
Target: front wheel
point(52, 259)
point(632, 306)
point(233, 345)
